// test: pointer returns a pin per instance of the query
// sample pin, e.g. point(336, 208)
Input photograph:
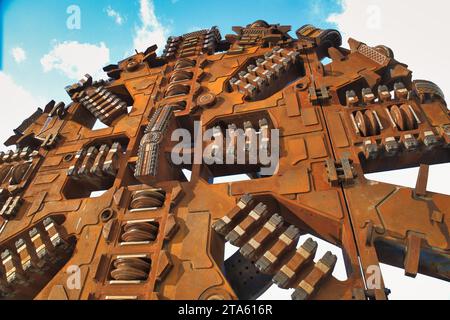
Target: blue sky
point(37, 27)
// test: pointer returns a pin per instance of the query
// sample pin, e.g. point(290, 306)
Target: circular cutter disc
point(145, 202)
point(147, 199)
point(176, 89)
point(158, 194)
point(411, 123)
point(131, 263)
point(184, 63)
point(139, 232)
point(372, 123)
point(330, 38)
point(398, 117)
point(181, 76)
point(128, 274)
point(136, 235)
point(147, 227)
point(361, 123)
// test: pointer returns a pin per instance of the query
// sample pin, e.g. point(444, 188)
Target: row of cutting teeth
point(258, 138)
point(11, 207)
point(259, 76)
point(368, 97)
point(271, 243)
point(367, 122)
point(96, 162)
point(187, 44)
point(148, 153)
point(19, 154)
point(35, 252)
point(14, 174)
point(104, 105)
point(391, 146)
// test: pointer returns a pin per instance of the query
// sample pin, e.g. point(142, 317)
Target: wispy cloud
point(115, 15)
point(316, 7)
point(75, 59)
point(151, 31)
point(19, 102)
point(19, 55)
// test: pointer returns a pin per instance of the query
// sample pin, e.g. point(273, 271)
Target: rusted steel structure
point(153, 234)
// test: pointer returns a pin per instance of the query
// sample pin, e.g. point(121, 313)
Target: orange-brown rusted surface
point(155, 235)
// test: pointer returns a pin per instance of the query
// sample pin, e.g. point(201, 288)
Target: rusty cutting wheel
point(129, 269)
point(140, 231)
point(148, 199)
point(184, 63)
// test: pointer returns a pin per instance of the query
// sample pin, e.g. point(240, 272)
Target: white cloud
point(115, 15)
point(18, 54)
point(75, 59)
point(316, 7)
point(416, 33)
point(17, 104)
point(151, 31)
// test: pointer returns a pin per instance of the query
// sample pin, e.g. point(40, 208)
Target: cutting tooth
point(384, 93)
point(111, 163)
point(323, 269)
point(302, 256)
point(88, 161)
point(352, 98)
point(96, 169)
point(12, 267)
point(24, 255)
point(73, 170)
point(251, 249)
point(400, 91)
point(368, 96)
point(253, 221)
point(285, 243)
point(224, 225)
point(56, 234)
